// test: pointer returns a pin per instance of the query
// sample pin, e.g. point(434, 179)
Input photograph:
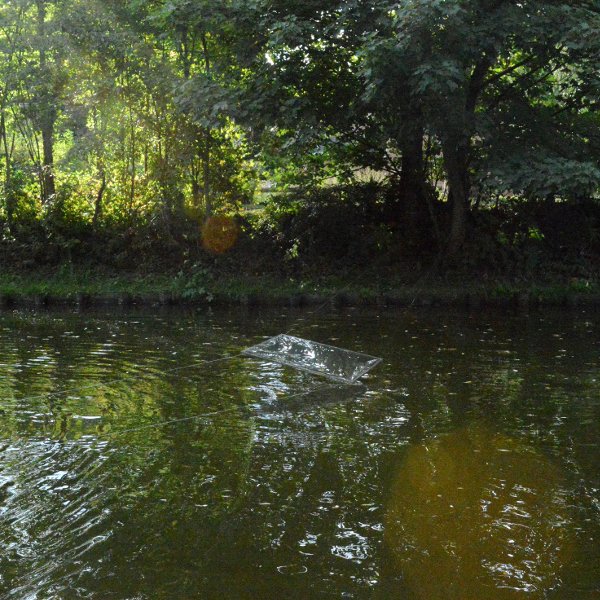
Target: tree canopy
point(134, 114)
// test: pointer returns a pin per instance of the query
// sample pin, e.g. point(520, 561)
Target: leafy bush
point(194, 283)
point(341, 223)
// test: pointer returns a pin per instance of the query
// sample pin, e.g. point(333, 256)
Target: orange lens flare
point(219, 234)
point(476, 514)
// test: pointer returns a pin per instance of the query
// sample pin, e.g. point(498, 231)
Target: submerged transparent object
point(321, 359)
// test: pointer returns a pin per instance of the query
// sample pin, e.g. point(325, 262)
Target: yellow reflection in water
point(478, 515)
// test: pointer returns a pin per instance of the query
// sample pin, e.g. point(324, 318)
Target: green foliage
point(538, 177)
point(123, 124)
point(194, 283)
point(335, 225)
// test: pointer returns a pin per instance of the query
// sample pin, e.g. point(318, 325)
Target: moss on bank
point(40, 289)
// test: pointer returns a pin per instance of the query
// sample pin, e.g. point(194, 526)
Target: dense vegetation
point(333, 132)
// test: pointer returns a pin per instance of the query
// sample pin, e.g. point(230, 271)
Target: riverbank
point(40, 289)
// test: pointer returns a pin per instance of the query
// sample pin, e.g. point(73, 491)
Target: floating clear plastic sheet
point(321, 359)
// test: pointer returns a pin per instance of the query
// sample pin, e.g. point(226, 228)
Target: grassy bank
point(40, 289)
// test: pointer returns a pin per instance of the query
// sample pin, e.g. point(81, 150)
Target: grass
point(73, 287)
point(201, 287)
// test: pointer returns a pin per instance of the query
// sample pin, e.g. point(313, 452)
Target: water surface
point(465, 466)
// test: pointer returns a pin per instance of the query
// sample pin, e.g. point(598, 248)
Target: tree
point(483, 54)
point(406, 70)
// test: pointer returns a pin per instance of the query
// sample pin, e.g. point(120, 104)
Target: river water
point(465, 466)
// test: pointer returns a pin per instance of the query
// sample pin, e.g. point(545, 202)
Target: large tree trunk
point(99, 198)
point(206, 174)
point(456, 161)
point(412, 180)
point(132, 165)
point(48, 160)
point(456, 148)
point(48, 114)
point(409, 210)
point(8, 184)
point(206, 155)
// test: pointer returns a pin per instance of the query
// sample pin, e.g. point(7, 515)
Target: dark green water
point(467, 466)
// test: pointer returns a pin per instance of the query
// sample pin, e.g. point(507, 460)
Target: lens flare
point(475, 514)
point(219, 234)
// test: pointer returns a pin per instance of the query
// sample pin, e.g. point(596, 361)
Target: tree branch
point(514, 67)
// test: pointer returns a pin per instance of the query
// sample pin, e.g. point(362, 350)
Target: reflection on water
point(485, 513)
point(321, 359)
point(123, 475)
